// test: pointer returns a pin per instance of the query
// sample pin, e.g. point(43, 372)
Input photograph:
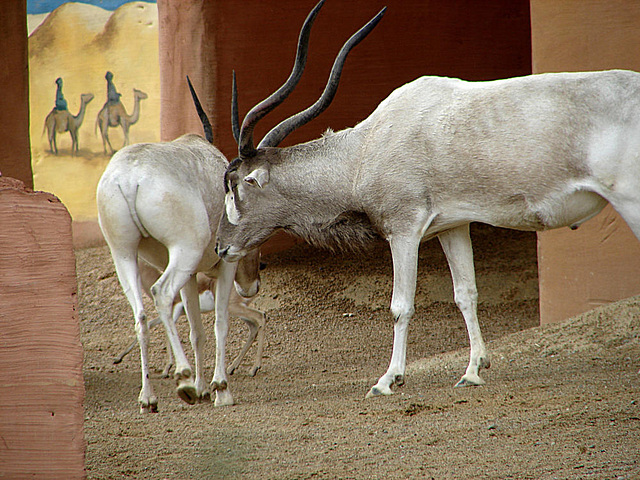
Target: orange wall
point(600, 262)
point(208, 40)
point(41, 384)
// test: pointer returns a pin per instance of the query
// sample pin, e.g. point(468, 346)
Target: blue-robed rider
point(113, 96)
point(61, 103)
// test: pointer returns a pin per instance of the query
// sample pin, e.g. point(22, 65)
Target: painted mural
point(94, 87)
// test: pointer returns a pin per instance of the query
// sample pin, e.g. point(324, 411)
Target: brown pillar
point(187, 44)
point(600, 262)
point(15, 152)
point(41, 383)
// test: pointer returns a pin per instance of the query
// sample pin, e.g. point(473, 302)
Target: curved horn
point(206, 124)
point(284, 128)
point(246, 147)
point(235, 121)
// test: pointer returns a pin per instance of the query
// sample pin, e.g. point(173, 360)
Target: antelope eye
point(237, 193)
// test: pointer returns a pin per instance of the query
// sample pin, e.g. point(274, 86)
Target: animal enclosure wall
point(15, 160)
point(600, 262)
point(71, 48)
point(209, 40)
point(41, 383)
point(257, 39)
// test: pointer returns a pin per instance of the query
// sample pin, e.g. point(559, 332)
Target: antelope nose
point(221, 252)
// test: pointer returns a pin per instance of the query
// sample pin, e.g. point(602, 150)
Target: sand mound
point(614, 326)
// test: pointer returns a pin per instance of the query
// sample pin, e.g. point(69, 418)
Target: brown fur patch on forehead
point(233, 166)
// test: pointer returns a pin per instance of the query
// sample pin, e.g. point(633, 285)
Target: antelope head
point(249, 220)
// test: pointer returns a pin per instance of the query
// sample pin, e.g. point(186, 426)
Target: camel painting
point(78, 41)
point(114, 114)
point(60, 121)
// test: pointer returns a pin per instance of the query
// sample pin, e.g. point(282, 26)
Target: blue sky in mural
point(45, 6)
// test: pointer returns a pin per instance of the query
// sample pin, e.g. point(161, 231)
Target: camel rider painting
point(61, 103)
point(113, 97)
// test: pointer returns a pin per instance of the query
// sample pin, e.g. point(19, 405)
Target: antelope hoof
point(377, 391)
point(223, 398)
point(484, 362)
point(470, 380)
point(188, 393)
point(149, 407)
point(381, 388)
point(219, 386)
point(254, 370)
point(183, 375)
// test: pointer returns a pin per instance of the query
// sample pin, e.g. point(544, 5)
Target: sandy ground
point(560, 401)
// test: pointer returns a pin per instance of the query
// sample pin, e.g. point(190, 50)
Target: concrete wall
point(600, 262)
point(41, 383)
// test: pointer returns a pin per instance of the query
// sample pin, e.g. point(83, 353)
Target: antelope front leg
point(404, 252)
point(220, 384)
point(456, 244)
point(256, 322)
point(257, 364)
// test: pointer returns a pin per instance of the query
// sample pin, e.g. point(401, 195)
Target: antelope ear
point(259, 177)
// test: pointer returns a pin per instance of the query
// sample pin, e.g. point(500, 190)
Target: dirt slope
point(560, 402)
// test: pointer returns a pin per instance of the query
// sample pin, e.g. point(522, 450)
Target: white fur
point(231, 210)
point(238, 307)
point(161, 203)
point(529, 153)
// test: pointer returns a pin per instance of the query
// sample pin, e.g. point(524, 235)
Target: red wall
point(41, 383)
point(472, 40)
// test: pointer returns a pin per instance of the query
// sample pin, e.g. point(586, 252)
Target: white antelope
point(238, 307)
point(162, 202)
point(531, 153)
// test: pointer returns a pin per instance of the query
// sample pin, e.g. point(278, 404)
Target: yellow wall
point(79, 43)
